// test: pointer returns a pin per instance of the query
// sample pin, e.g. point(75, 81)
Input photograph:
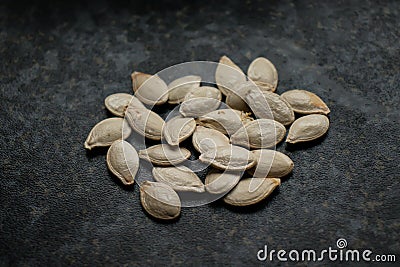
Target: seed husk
point(178, 129)
point(204, 91)
point(118, 103)
point(164, 155)
point(305, 102)
point(231, 158)
point(205, 139)
point(227, 75)
point(149, 89)
point(250, 191)
point(123, 161)
point(263, 73)
point(271, 163)
point(145, 122)
point(307, 128)
point(107, 131)
point(180, 87)
point(160, 200)
point(179, 178)
point(227, 121)
point(236, 102)
point(199, 106)
point(261, 133)
point(218, 182)
point(281, 110)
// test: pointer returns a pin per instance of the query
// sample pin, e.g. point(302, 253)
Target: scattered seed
point(197, 107)
point(180, 87)
point(205, 139)
point(218, 182)
point(263, 73)
point(118, 103)
point(271, 163)
point(179, 178)
point(164, 155)
point(308, 128)
point(178, 129)
point(150, 89)
point(204, 92)
point(145, 122)
point(305, 102)
point(227, 75)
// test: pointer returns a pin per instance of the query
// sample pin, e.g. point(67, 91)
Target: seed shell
point(164, 155)
point(263, 73)
point(281, 110)
point(307, 128)
point(178, 129)
point(305, 102)
point(149, 89)
point(218, 182)
point(180, 87)
point(271, 163)
point(205, 139)
point(118, 103)
point(236, 102)
point(145, 122)
point(228, 74)
point(205, 92)
point(199, 106)
point(179, 178)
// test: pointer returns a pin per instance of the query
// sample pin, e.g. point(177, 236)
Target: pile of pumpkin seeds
point(234, 140)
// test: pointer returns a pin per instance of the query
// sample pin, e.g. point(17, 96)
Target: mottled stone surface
point(60, 205)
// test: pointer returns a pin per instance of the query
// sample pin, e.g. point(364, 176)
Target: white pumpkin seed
point(149, 89)
point(180, 87)
point(204, 91)
point(164, 155)
point(271, 163)
point(261, 133)
point(123, 161)
point(305, 102)
point(236, 102)
point(106, 132)
point(245, 193)
point(307, 128)
point(118, 103)
point(231, 158)
point(178, 129)
point(160, 200)
point(179, 178)
point(205, 139)
point(197, 107)
point(227, 75)
point(263, 73)
point(145, 122)
point(218, 182)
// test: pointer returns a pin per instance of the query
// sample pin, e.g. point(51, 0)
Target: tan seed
point(231, 158)
point(218, 182)
point(160, 200)
point(179, 178)
point(149, 89)
point(197, 107)
point(204, 91)
point(178, 129)
point(145, 122)
point(118, 103)
point(251, 191)
point(261, 133)
point(181, 86)
point(281, 110)
point(164, 155)
point(305, 102)
point(205, 139)
point(271, 163)
point(106, 132)
point(227, 75)
point(264, 73)
point(123, 161)
point(236, 102)
point(308, 128)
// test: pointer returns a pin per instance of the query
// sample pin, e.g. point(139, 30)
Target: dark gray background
point(60, 206)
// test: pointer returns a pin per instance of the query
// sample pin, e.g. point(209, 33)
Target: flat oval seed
point(180, 87)
point(305, 102)
point(281, 110)
point(227, 75)
point(218, 182)
point(145, 122)
point(205, 139)
point(197, 107)
point(118, 103)
point(308, 128)
point(106, 132)
point(236, 102)
point(179, 178)
point(261, 133)
point(204, 91)
point(227, 121)
point(245, 194)
point(160, 200)
point(123, 161)
point(271, 163)
point(264, 73)
point(231, 158)
point(164, 155)
point(150, 89)
point(178, 129)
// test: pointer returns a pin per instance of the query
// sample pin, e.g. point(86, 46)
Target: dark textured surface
point(60, 206)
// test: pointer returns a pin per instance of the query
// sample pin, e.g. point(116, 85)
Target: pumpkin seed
point(271, 163)
point(263, 73)
point(199, 106)
point(307, 128)
point(305, 102)
point(106, 132)
point(180, 87)
point(164, 155)
point(123, 161)
point(244, 194)
point(227, 75)
point(160, 200)
point(204, 91)
point(227, 121)
point(118, 103)
point(261, 133)
point(218, 182)
point(150, 89)
point(205, 139)
point(281, 110)
point(229, 157)
point(178, 129)
point(179, 178)
point(236, 102)
point(145, 122)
